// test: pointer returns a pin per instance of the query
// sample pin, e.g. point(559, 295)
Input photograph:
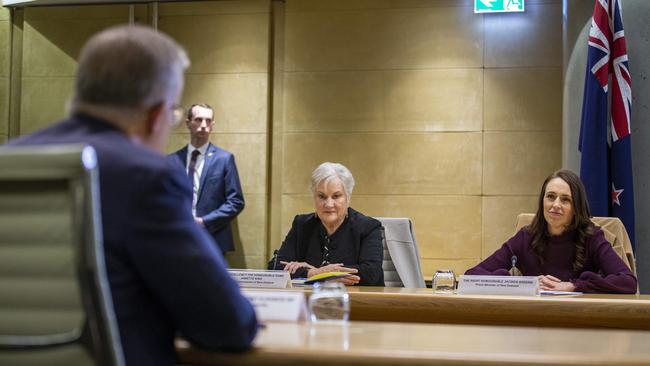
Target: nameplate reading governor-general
point(261, 278)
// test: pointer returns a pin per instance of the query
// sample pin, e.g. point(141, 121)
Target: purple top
point(603, 272)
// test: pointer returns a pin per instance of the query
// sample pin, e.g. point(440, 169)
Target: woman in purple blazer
point(562, 246)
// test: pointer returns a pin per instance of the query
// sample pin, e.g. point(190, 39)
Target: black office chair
point(55, 302)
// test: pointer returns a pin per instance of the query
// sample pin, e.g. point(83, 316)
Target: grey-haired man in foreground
point(165, 272)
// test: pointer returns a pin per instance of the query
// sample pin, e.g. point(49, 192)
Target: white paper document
point(558, 293)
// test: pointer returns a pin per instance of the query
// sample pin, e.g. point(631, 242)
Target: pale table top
point(383, 343)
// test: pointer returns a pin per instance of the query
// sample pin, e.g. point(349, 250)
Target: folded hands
point(352, 279)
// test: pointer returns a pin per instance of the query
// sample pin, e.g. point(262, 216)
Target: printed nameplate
point(277, 305)
point(261, 278)
point(498, 285)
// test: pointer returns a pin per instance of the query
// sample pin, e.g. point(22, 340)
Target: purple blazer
point(604, 271)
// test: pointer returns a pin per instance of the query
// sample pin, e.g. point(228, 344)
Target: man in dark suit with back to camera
point(217, 196)
point(165, 274)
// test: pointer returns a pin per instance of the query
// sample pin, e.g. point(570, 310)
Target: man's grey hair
point(328, 171)
point(129, 66)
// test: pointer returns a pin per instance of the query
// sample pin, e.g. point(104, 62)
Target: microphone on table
point(275, 258)
point(514, 271)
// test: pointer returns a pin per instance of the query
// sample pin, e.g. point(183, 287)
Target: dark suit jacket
point(165, 274)
point(356, 243)
point(220, 198)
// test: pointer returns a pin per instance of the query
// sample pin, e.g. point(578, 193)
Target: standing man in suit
point(165, 275)
point(217, 197)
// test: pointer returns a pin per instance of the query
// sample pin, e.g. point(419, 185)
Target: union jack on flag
point(606, 161)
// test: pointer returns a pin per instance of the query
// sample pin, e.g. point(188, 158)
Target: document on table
point(559, 293)
point(327, 276)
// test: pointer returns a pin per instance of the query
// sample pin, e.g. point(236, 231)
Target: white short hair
point(328, 171)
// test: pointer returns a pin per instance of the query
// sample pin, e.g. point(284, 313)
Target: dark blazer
point(165, 274)
point(220, 198)
point(356, 243)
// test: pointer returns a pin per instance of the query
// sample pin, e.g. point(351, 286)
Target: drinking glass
point(329, 302)
point(444, 281)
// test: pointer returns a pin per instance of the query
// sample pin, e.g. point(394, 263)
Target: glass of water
point(444, 281)
point(330, 302)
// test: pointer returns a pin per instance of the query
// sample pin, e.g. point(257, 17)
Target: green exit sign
point(498, 6)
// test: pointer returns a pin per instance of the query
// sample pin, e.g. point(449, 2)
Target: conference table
point(386, 343)
point(391, 326)
point(423, 306)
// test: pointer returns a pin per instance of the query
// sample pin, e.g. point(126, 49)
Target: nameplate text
point(277, 305)
point(498, 285)
point(261, 278)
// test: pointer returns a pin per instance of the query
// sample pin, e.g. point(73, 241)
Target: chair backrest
point(613, 229)
point(401, 257)
point(55, 302)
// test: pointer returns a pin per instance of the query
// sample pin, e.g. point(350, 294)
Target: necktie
point(326, 251)
point(192, 166)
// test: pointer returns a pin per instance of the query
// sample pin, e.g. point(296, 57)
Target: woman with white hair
point(335, 238)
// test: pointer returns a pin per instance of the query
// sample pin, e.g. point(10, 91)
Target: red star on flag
point(615, 194)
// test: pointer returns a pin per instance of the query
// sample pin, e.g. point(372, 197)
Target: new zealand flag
point(606, 162)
